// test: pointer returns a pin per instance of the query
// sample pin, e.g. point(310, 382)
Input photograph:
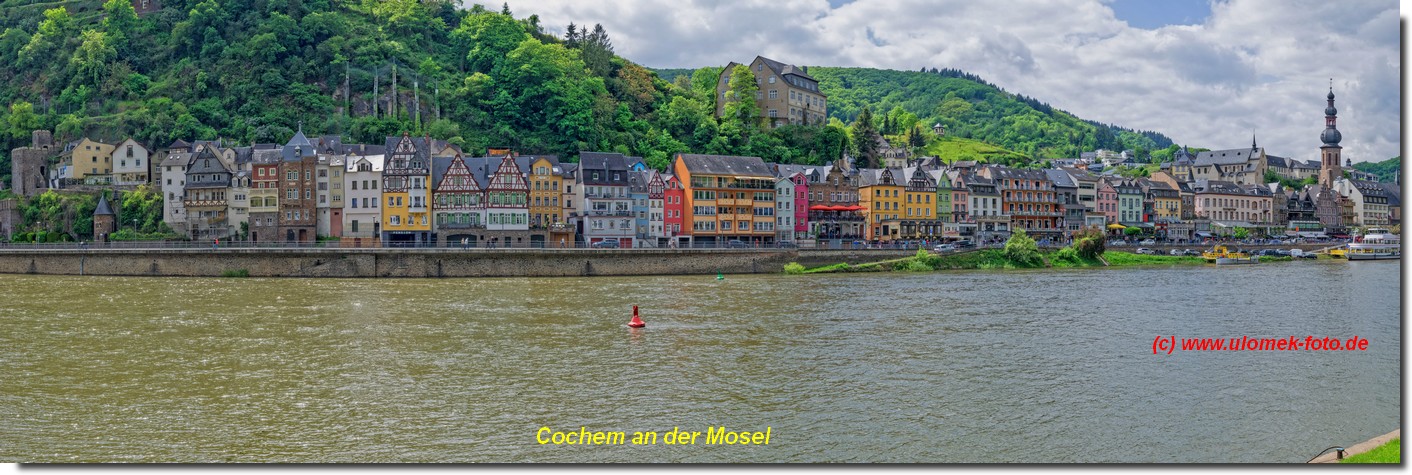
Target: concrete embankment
point(350, 263)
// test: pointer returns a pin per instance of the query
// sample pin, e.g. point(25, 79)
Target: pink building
point(801, 205)
point(1108, 201)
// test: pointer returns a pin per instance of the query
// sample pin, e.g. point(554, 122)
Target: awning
point(821, 208)
point(851, 208)
point(1201, 234)
point(1138, 225)
point(1116, 226)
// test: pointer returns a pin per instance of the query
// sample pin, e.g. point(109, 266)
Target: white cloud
point(1253, 65)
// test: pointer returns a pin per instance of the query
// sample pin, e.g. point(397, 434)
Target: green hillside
point(255, 70)
point(1386, 170)
point(970, 108)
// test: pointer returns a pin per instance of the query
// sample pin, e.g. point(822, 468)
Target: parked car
point(737, 244)
point(1143, 250)
point(1190, 252)
point(1282, 252)
point(606, 244)
point(788, 245)
point(1148, 242)
point(944, 248)
point(1116, 242)
point(962, 244)
point(1175, 252)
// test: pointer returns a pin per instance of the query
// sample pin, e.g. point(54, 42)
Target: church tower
point(1329, 169)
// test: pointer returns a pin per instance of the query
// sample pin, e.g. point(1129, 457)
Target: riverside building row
point(416, 191)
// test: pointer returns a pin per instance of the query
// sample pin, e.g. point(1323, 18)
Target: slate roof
point(265, 157)
point(176, 159)
point(179, 144)
point(1226, 157)
point(439, 167)
point(301, 144)
point(783, 69)
point(375, 160)
point(1369, 188)
point(607, 162)
point(103, 208)
point(1218, 186)
point(1061, 178)
point(726, 165)
point(788, 170)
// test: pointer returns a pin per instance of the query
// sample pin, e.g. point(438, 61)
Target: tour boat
point(1220, 255)
point(1376, 244)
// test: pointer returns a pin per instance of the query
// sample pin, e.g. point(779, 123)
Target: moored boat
point(1377, 244)
point(1220, 255)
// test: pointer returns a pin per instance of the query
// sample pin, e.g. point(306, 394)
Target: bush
point(1088, 242)
point(1021, 249)
point(793, 268)
point(236, 273)
point(914, 265)
point(1066, 254)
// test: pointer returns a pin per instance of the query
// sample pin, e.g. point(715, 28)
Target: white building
point(130, 163)
point(362, 218)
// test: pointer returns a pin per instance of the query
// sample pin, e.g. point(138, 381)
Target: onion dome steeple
point(1331, 135)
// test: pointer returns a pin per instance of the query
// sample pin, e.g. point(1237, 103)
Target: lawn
point(1390, 452)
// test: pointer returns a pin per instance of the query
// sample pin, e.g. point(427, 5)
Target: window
point(772, 81)
point(774, 94)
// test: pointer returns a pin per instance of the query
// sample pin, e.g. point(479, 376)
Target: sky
point(1205, 73)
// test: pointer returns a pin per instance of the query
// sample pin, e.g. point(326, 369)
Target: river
point(974, 366)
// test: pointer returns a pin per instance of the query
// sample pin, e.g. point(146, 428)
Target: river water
point(977, 366)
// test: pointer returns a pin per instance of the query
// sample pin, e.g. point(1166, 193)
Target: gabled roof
point(1226, 157)
point(725, 165)
point(179, 144)
point(374, 161)
point(783, 69)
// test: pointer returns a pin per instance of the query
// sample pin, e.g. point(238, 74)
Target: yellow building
point(91, 157)
point(881, 196)
point(406, 185)
point(726, 198)
point(546, 184)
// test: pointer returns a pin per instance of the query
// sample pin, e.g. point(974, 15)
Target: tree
point(1240, 232)
point(865, 140)
point(1088, 242)
point(92, 56)
point(23, 120)
point(1021, 249)
point(1131, 231)
point(491, 36)
point(120, 23)
point(741, 116)
point(598, 51)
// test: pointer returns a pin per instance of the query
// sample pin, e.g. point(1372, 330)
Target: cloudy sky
point(1205, 73)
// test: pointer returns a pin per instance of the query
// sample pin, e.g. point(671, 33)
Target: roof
point(266, 157)
point(176, 159)
point(1061, 178)
point(103, 208)
point(725, 165)
point(1217, 186)
point(374, 160)
point(1226, 157)
point(609, 162)
point(301, 144)
point(787, 170)
point(179, 143)
point(783, 69)
point(439, 167)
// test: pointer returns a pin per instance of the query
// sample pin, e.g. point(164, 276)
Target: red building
point(673, 197)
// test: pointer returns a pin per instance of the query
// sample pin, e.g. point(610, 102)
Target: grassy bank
point(994, 259)
point(1390, 452)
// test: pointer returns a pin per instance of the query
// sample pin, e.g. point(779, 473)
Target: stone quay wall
point(419, 263)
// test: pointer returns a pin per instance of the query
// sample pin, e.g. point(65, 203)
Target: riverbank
point(418, 263)
point(1380, 449)
point(996, 259)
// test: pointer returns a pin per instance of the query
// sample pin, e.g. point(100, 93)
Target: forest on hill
point(253, 71)
point(1385, 170)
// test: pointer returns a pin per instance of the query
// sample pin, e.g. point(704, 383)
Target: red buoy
point(636, 320)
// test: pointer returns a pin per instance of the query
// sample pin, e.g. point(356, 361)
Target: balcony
point(204, 203)
point(609, 213)
point(461, 226)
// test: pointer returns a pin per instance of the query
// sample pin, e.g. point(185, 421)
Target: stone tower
point(30, 166)
point(1329, 168)
point(105, 221)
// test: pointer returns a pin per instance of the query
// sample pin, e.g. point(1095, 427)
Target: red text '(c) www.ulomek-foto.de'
point(1170, 343)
